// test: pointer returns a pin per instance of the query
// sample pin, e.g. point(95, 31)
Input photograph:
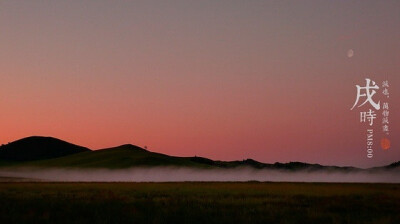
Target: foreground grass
point(199, 203)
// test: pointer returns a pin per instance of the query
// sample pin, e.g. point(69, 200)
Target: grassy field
point(250, 202)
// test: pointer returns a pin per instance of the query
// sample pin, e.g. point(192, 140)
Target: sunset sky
point(228, 80)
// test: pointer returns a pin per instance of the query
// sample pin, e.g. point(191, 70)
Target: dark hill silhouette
point(393, 165)
point(52, 152)
point(38, 148)
point(123, 156)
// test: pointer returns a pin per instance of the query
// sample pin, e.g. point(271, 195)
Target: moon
point(350, 53)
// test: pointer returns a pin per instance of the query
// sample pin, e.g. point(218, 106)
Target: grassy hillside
point(126, 156)
point(119, 157)
point(51, 152)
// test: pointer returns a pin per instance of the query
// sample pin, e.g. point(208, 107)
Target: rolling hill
point(38, 148)
point(51, 152)
point(123, 156)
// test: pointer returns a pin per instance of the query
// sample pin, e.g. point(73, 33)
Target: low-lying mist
point(171, 174)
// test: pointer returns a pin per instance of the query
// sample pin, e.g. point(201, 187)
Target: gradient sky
point(228, 80)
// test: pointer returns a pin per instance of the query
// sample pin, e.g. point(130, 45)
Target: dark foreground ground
point(252, 202)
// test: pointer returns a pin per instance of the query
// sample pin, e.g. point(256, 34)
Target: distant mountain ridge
point(39, 151)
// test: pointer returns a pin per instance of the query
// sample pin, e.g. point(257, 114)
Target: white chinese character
point(385, 120)
point(385, 83)
point(370, 116)
point(385, 128)
point(385, 106)
point(385, 92)
point(368, 94)
point(385, 113)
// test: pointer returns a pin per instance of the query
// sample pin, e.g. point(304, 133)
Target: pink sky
point(228, 80)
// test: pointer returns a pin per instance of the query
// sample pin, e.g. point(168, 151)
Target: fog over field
point(171, 174)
